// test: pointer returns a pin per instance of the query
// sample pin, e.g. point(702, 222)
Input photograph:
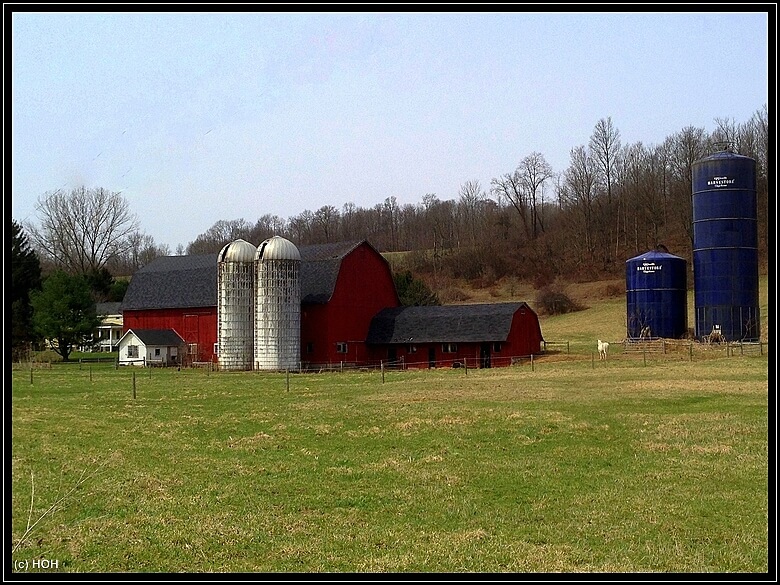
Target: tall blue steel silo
point(725, 247)
point(656, 296)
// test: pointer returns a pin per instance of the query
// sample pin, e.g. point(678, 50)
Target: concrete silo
point(235, 306)
point(656, 296)
point(277, 305)
point(725, 247)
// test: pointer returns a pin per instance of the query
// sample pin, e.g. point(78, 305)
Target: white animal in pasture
point(603, 349)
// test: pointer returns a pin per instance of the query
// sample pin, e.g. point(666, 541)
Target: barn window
point(156, 352)
point(341, 347)
point(497, 346)
point(412, 348)
point(216, 349)
point(132, 351)
point(449, 347)
point(192, 348)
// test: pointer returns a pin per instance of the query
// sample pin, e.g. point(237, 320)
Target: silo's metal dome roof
point(237, 251)
point(277, 248)
point(654, 255)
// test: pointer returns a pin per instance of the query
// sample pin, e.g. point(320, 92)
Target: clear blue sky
point(206, 116)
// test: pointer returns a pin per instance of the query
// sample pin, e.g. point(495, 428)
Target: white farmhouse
point(110, 329)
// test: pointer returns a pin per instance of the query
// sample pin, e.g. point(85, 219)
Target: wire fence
point(552, 351)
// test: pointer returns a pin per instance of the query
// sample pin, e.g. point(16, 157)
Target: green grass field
point(646, 464)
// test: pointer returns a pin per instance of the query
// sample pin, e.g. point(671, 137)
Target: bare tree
point(510, 187)
point(301, 226)
point(217, 236)
point(471, 196)
point(391, 211)
point(143, 249)
point(604, 149)
point(580, 194)
point(82, 230)
point(326, 218)
point(642, 180)
point(686, 147)
point(268, 225)
point(534, 171)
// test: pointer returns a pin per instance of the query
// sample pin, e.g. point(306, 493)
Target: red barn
point(350, 313)
point(470, 335)
point(179, 293)
point(343, 285)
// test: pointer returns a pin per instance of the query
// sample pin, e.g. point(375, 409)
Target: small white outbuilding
point(152, 347)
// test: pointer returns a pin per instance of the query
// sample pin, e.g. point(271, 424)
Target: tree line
point(612, 202)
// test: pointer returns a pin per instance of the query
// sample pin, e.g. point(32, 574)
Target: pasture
point(569, 466)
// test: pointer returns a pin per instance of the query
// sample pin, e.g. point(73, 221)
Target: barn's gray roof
point(445, 324)
point(173, 282)
point(320, 265)
point(167, 337)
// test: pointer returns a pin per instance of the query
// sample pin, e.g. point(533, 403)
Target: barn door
point(484, 354)
point(191, 336)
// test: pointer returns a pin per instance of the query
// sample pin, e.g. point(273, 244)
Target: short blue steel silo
point(656, 296)
point(725, 247)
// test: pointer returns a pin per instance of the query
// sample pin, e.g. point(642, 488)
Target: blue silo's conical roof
point(654, 255)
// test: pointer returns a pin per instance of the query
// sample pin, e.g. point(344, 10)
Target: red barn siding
point(364, 287)
point(195, 325)
point(525, 335)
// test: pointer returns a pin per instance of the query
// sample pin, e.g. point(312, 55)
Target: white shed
point(153, 347)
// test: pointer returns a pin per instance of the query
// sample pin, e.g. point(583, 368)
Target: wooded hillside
point(613, 202)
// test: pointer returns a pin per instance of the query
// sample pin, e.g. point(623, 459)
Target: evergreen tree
point(64, 312)
point(413, 291)
point(100, 282)
point(117, 291)
point(25, 277)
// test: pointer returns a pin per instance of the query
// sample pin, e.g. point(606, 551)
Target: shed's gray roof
point(167, 337)
point(445, 324)
point(173, 282)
